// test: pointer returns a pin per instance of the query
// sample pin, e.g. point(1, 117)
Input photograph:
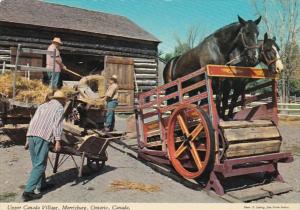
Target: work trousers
point(110, 114)
point(38, 149)
point(56, 79)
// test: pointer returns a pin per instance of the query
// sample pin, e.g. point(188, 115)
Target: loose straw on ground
point(118, 185)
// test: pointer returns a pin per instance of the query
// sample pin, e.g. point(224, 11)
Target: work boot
point(28, 196)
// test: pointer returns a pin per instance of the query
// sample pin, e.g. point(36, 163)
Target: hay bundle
point(118, 185)
point(29, 91)
point(68, 91)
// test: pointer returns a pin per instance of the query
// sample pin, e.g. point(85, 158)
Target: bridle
point(268, 61)
point(245, 45)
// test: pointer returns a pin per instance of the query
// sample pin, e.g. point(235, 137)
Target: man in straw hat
point(45, 126)
point(55, 76)
point(111, 97)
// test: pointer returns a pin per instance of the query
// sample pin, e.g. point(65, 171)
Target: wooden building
point(93, 42)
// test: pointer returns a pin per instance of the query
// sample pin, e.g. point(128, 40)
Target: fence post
point(28, 72)
point(15, 71)
point(53, 70)
point(3, 67)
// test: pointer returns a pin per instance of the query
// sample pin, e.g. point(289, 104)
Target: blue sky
point(165, 18)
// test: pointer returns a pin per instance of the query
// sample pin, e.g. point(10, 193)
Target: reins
point(246, 47)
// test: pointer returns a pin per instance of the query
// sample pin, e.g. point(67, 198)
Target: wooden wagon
point(190, 136)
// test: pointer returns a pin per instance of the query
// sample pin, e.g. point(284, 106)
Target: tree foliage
point(280, 18)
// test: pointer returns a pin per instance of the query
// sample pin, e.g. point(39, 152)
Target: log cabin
point(93, 43)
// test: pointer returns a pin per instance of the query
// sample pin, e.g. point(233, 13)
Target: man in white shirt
point(44, 127)
point(55, 76)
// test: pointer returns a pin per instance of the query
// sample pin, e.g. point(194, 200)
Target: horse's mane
point(221, 30)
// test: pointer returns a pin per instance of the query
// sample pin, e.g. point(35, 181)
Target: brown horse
point(216, 49)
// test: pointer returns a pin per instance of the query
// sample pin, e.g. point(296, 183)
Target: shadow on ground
point(62, 178)
point(12, 136)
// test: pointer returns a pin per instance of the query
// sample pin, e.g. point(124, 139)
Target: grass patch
point(7, 197)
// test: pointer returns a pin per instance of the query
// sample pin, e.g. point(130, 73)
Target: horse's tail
point(168, 70)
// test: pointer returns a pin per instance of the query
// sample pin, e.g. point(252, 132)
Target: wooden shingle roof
point(38, 13)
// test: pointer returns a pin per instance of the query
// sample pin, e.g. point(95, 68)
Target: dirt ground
point(95, 187)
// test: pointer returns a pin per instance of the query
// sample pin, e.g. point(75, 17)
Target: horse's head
point(269, 54)
point(248, 36)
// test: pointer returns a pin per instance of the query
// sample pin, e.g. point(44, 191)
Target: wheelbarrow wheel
point(191, 141)
point(95, 164)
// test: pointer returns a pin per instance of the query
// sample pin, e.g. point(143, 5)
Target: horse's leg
point(238, 87)
point(216, 90)
point(225, 89)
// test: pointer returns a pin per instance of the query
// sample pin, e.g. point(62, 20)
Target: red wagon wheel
point(191, 141)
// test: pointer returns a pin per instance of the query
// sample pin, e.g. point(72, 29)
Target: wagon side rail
point(153, 111)
point(262, 86)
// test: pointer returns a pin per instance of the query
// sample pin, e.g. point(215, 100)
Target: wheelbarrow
point(93, 149)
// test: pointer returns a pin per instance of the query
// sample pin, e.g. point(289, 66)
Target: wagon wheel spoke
point(196, 155)
point(180, 150)
point(196, 132)
point(182, 124)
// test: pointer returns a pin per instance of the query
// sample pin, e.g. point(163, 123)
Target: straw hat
point(114, 77)
point(57, 40)
point(59, 95)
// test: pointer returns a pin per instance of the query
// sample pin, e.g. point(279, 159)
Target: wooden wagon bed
point(190, 135)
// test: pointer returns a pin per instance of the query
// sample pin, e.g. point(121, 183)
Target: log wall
point(75, 42)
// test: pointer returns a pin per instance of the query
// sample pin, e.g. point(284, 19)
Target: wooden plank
point(153, 65)
point(226, 197)
point(145, 70)
point(241, 72)
point(153, 133)
point(22, 104)
point(244, 124)
point(139, 60)
point(36, 51)
point(146, 82)
point(32, 69)
point(240, 134)
point(126, 98)
point(253, 148)
point(146, 76)
point(193, 87)
point(119, 60)
point(249, 194)
point(152, 125)
point(150, 87)
point(74, 129)
point(277, 188)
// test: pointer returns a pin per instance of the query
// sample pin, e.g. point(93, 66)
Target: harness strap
point(269, 62)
